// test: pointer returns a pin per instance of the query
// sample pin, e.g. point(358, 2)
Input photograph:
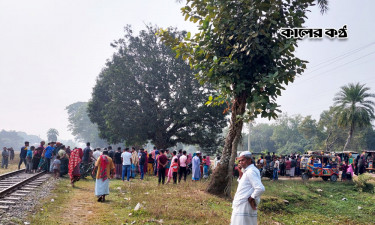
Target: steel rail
point(16, 186)
point(6, 175)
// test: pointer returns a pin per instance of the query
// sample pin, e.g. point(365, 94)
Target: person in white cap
point(248, 193)
point(196, 171)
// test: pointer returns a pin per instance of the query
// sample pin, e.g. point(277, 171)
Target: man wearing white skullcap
point(248, 193)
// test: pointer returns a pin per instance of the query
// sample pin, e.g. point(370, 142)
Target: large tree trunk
point(350, 134)
point(221, 180)
point(160, 141)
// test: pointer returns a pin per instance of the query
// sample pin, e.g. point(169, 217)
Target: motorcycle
point(86, 170)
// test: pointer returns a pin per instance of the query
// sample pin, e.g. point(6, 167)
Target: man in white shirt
point(248, 193)
point(216, 162)
point(276, 167)
point(96, 153)
point(183, 166)
point(126, 158)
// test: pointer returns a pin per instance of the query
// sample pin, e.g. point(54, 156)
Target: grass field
point(284, 202)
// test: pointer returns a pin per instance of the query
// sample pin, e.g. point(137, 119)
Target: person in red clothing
point(288, 165)
point(174, 168)
point(162, 163)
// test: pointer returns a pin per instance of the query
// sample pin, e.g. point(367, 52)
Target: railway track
point(17, 184)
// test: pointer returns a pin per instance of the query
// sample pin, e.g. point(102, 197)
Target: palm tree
point(52, 134)
point(354, 109)
point(323, 5)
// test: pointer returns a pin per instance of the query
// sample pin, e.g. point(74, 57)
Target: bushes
point(364, 183)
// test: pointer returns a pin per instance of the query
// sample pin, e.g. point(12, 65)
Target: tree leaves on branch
point(145, 93)
point(239, 51)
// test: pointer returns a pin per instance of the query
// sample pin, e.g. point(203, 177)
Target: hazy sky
point(52, 51)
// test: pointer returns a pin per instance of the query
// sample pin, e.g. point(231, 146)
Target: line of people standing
point(161, 163)
point(52, 158)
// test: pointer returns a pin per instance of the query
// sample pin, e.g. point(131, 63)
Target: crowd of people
point(288, 165)
point(166, 165)
point(292, 165)
point(126, 164)
point(174, 166)
point(52, 158)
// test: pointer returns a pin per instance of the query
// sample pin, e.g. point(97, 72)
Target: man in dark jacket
point(142, 162)
point(23, 154)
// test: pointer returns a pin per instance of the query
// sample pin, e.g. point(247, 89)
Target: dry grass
point(186, 203)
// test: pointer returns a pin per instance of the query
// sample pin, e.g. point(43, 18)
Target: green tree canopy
point(81, 126)
point(261, 138)
point(331, 136)
point(238, 50)
point(146, 93)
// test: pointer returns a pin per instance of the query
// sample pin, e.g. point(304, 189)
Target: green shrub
point(364, 184)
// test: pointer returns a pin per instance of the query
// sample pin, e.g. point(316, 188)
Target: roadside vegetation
point(284, 202)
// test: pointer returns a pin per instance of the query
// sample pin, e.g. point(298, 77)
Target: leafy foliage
point(146, 93)
point(290, 134)
point(10, 139)
point(260, 138)
point(240, 51)
point(81, 126)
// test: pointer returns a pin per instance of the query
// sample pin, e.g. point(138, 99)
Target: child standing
point(29, 158)
point(150, 168)
point(174, 168)
point(344, 169)
point(56, 167)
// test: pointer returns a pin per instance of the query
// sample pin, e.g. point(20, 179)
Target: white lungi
point(101, 187)
point(243, 214)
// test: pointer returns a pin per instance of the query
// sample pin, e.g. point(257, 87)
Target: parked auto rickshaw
point(321, 166)
point(304, 162)
point(370, 158)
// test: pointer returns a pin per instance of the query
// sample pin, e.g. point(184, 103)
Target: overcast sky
point(52, 51)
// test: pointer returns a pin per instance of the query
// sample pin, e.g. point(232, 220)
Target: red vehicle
point(321, 166)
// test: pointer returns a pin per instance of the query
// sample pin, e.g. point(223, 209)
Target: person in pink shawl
point(206, 166)
point(170, 172)
point(349, 171)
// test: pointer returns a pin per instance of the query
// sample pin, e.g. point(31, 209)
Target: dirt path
point(82, 205)
point(67, 205)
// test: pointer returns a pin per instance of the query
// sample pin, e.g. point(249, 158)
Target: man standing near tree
point(162, 162)
point(142, 161)
point(248, 193)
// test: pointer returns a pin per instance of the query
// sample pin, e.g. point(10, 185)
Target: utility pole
point(248, 138)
